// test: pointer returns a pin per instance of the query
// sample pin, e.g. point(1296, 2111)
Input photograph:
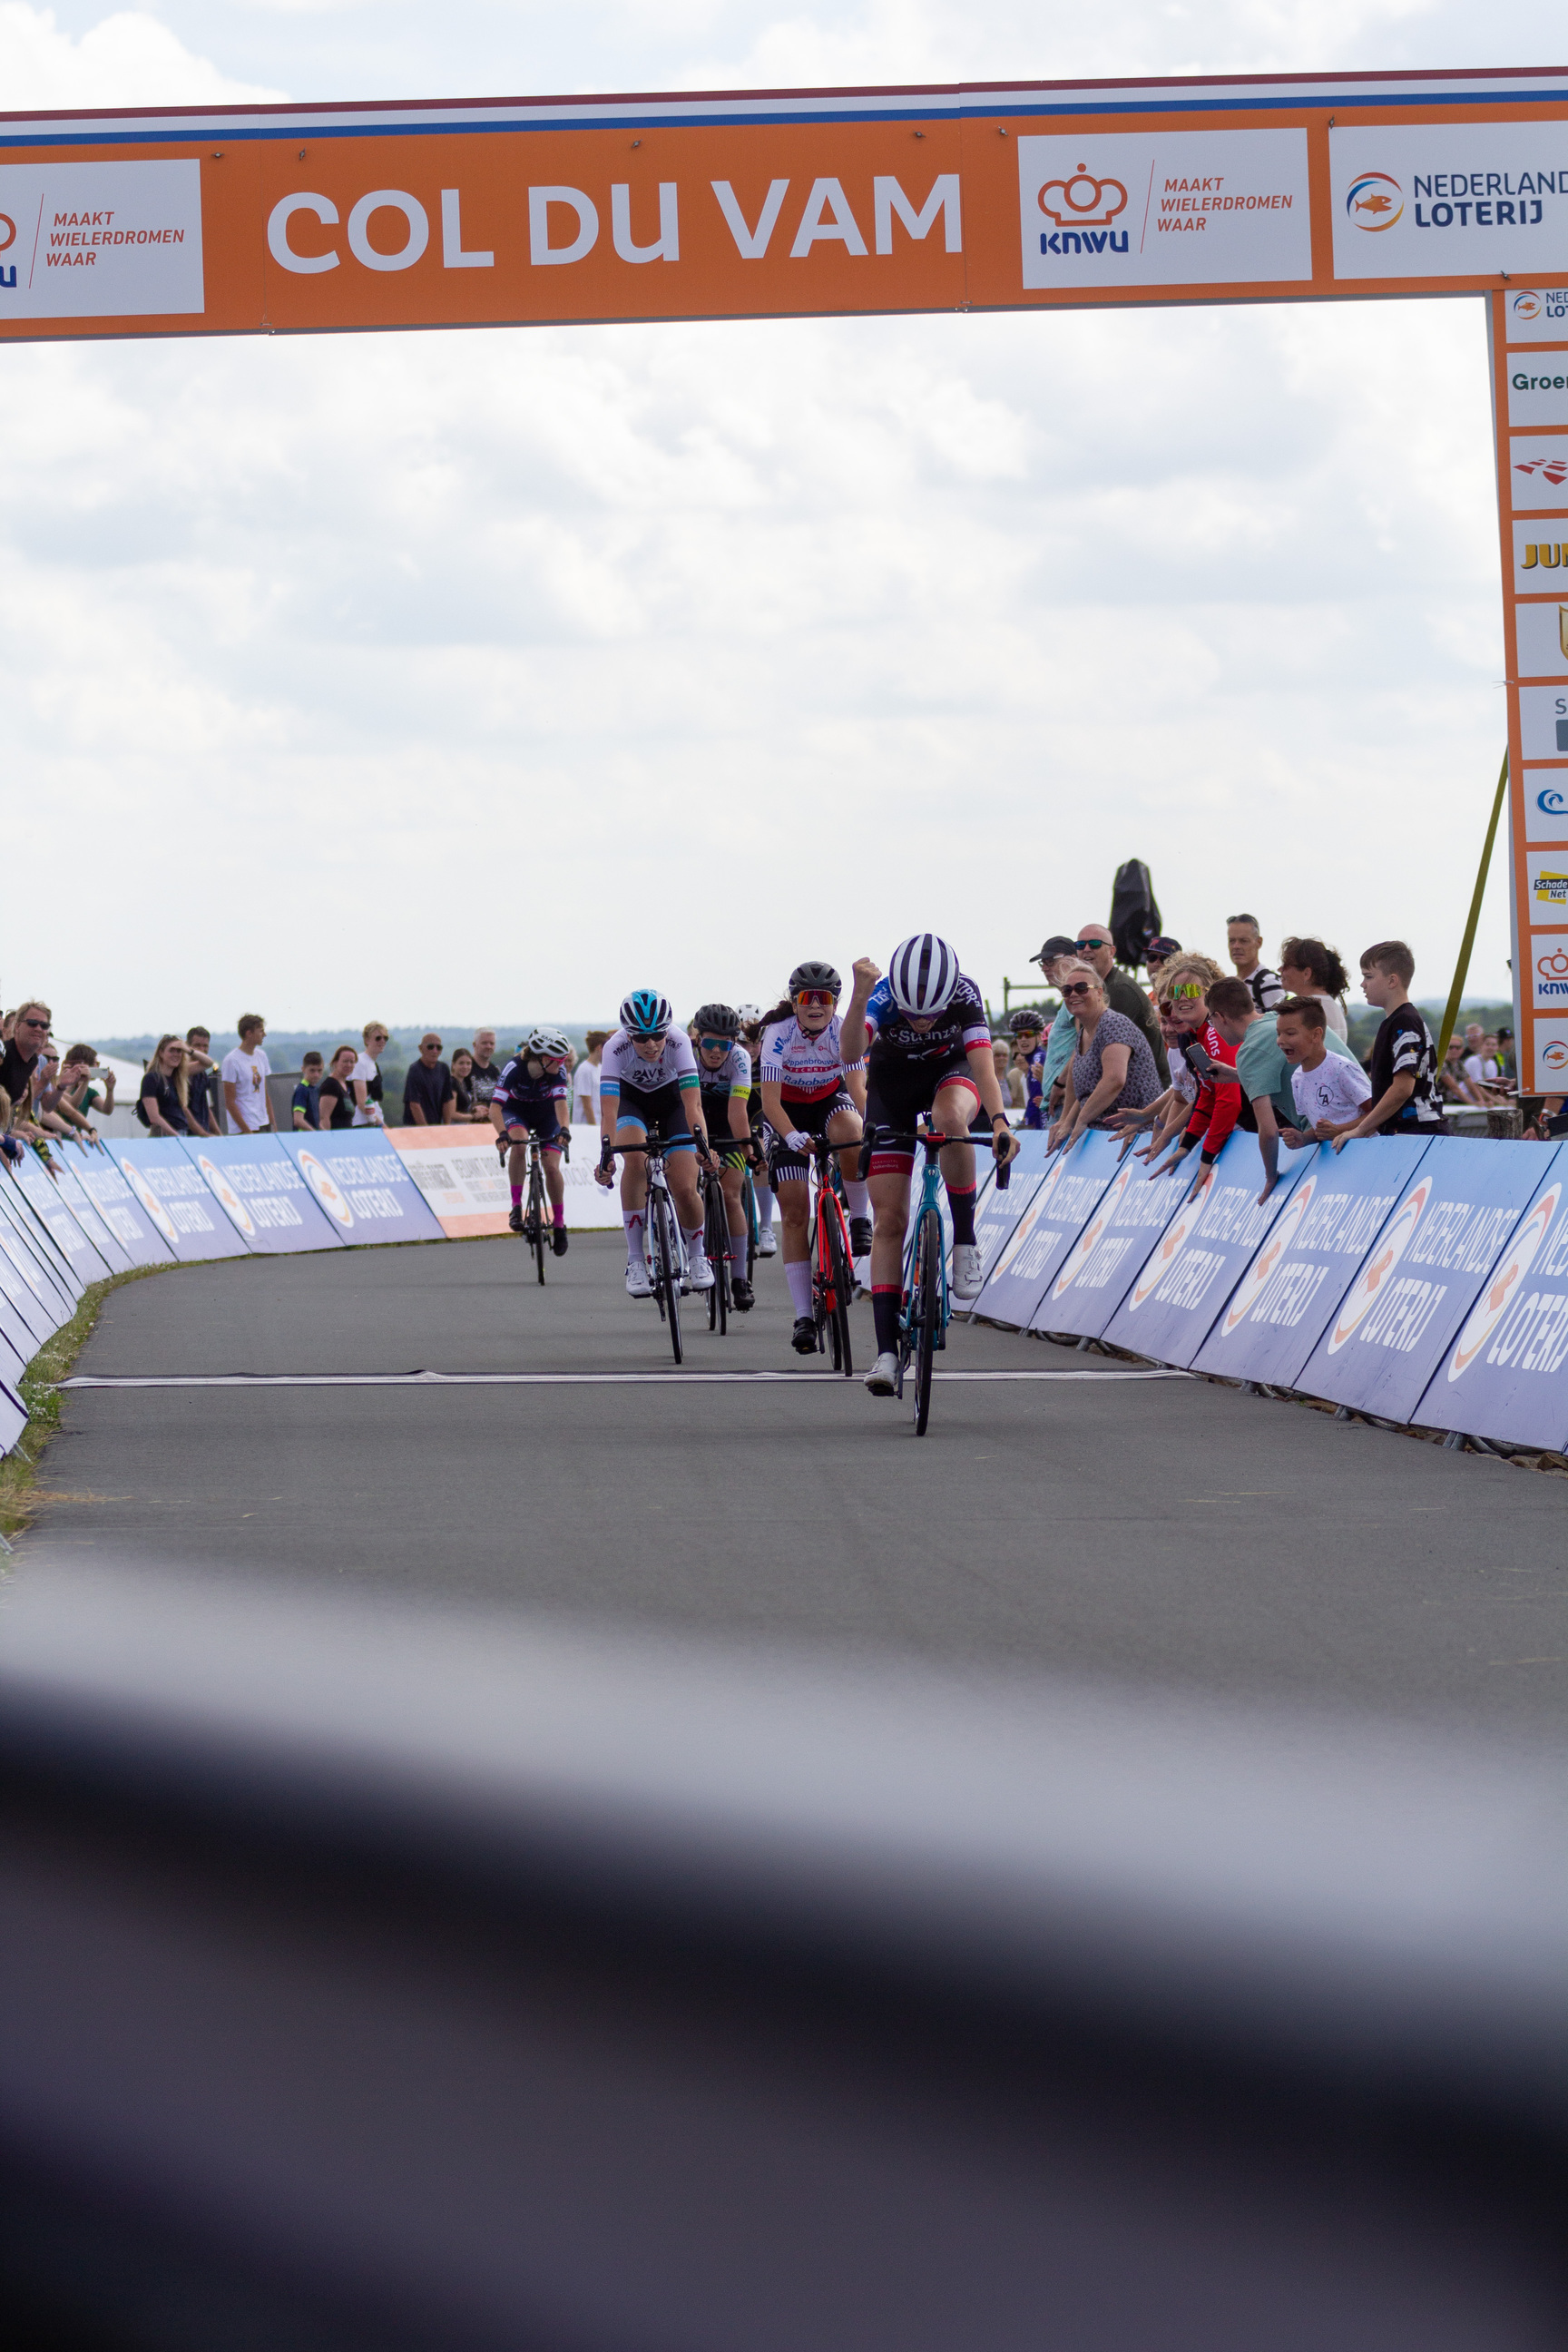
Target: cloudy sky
point(488, 675)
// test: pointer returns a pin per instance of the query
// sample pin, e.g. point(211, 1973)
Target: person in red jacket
point(1212, 1061)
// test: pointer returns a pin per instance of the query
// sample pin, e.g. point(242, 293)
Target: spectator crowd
point(1181, 1062)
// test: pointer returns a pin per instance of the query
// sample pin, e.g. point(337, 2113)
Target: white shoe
point(766, 1244)
point(968, 1269)
point(882, 1380)
point(637, 1283)
point(700, 1274)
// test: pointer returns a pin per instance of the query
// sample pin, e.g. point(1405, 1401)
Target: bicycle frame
point(929, 1198)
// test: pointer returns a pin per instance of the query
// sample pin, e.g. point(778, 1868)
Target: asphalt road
point(1158, 1532)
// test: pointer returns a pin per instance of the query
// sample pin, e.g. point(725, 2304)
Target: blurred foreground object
point(377, 1977)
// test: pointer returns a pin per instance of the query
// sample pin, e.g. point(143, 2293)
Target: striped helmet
point(922, 975)
point(646, 1014)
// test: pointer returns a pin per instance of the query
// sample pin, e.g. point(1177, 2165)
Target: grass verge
point(38, 1392)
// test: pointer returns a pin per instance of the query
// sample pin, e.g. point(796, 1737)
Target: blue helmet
point(646, 1014)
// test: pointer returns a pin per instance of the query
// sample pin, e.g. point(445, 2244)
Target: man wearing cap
point(1094, 947)
point(1062, 1040)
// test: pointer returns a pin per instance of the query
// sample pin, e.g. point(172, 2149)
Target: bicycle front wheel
point(925, 1309)
point(716, 1241)
point(834, 1256)
point(748, 1202)
point(666, 1264)
point(537, 1213)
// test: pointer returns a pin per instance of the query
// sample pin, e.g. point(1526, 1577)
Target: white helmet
point(922, 975)
point(548, 1045)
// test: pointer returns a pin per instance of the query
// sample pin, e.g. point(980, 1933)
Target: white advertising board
point(1164, 208)
point(101, 240)
point(1450, 200)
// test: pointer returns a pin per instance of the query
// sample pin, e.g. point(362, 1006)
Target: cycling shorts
point(786, 1167)
point(725, 1147)
point(660, 1112)
point(534, 1118)
point(898, 1094)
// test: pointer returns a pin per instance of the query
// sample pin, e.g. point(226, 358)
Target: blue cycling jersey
point(518, 1090)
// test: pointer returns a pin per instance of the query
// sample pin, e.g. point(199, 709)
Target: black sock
point(962, 1207)
point(885, 1300)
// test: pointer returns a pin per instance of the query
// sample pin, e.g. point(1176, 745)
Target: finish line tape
point(542, 1380)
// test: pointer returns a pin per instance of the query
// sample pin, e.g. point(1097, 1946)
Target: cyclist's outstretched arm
point(852, 1028)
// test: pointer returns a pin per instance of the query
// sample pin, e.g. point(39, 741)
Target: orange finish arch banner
point(327, 219)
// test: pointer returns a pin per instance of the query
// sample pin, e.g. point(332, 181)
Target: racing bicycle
point(537, 1226)
point(832, 1265)
point(925, 1309)
point(662, 1239)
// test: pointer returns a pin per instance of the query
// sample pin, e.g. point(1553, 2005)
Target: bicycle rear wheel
point(926, 1307)
point(536, 1210)
point(748, 1202)
point(716, 1241)
point(666, 1264)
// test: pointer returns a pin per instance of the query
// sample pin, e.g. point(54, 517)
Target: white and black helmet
point(922, 975)
point(547, 1045)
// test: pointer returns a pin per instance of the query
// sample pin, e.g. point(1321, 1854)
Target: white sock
point(858, 1196)
point(632, 1220)
point(694, 1249)
point(797, 1274)
point(765, 1206)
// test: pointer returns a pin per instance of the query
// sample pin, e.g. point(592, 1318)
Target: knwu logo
point(1375, 201)
point(1552, 975)
point(1083, 209)
point(7, 239)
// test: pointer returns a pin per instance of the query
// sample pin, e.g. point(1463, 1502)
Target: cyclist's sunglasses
point(715, 1044)
point(815, 996)
point(651, 1036)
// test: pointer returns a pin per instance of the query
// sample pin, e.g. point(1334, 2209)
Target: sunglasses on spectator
point(1188, 988)
point(30, 1023)
point(1078, 988)
point(815, 996)
point(1084, 945)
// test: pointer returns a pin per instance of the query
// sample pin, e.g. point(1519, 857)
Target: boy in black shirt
point(1402, 1066)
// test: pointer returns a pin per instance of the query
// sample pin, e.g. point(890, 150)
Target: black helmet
point(1027, 1019)
point(716, 1021)
point(815, 975)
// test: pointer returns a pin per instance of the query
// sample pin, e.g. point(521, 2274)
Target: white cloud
point(128, 59)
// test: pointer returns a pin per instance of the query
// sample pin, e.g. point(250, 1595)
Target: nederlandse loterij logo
point(1526, 307)
point(1374, 201)
point(1554, 1056)
point(1375, 1273)
point(325, 1187)
point(1086, 208)
point(233, 1206)
point(1493, 1303)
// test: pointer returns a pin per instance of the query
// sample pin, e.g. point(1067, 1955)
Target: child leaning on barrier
point(1330, 1090)
point(306, 1104)
point(1403, 1065)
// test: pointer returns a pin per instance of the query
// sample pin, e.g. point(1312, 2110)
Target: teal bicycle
point(924, 1310)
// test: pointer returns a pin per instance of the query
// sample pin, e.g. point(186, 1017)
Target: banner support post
point(1461, 969)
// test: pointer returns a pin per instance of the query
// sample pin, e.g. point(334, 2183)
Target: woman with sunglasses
point(1207, 1054)
point(724, 1068)
point(648, 1084)
point(1113, 1069)
point(805, 1094)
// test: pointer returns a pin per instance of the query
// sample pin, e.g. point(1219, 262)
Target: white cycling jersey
point(804, 1068)
point(623, 1068)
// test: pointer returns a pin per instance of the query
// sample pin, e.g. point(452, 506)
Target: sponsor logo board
point(1178, 208)
point(1546, 804)
point(1551, 1056)
point(1546, 887)
point(1503, 1374)
point(1538, 480)
point(1541, 637)
point(1538, 389)
point(1548, 957)
point(1543, 722)
point(1537, 314)
point(1456, 200)
point(1540, 555)
point(121, 240)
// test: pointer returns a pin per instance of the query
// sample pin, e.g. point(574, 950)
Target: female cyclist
point(804, 1095)
point(724, 1068)
point(929, 1057)
point(530, 1100)
point(648, 1086)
